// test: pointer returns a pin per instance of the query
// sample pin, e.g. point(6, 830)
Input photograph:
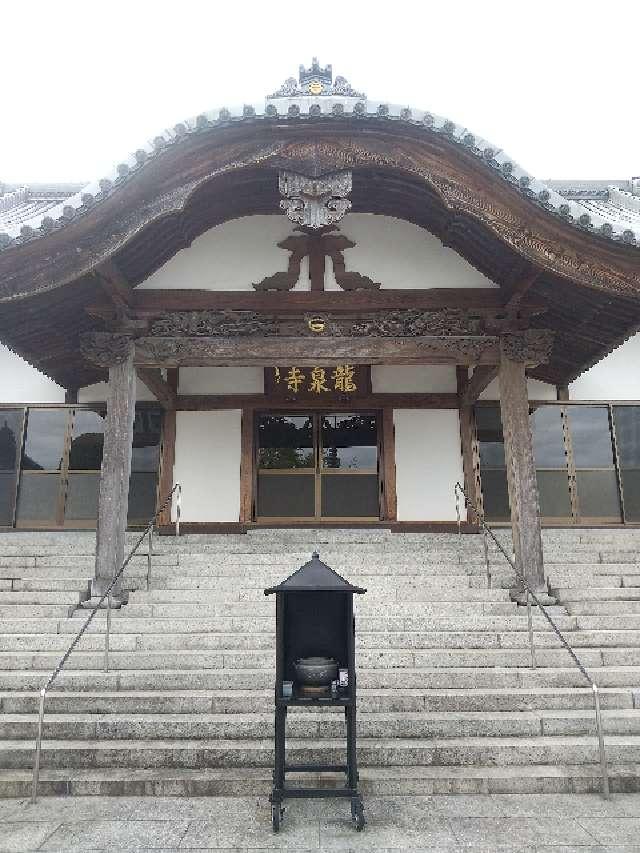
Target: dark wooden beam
point(265, 351)
point(483, 301)
point(211, 402)
point(467, 444)
point(114, 284)
point(519, 290)
point(481, 377)
point(153, 379)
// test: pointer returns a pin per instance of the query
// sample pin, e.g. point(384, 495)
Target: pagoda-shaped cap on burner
point(315, 576)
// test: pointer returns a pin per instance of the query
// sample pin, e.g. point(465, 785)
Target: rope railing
point(531, 596)
point(148, 532)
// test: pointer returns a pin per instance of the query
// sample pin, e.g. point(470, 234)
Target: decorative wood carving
point(325, 244)
point(532, 346)
point(315, 202)
point(105, 348)
point(448, 321)
point(227, 324)
point(309, 351)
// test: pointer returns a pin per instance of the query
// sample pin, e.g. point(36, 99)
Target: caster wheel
point(357, 813)
point(277, 815)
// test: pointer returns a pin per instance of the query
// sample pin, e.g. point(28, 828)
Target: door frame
point(316, 413)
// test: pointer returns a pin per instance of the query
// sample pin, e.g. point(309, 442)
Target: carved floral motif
point(105, 348)
point(213, 324)
point(532, 346)
point(448, 321)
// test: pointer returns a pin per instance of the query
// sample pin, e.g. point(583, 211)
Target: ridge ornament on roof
point(316, 81)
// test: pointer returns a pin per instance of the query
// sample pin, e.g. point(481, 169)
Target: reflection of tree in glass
point(283, 431)
point(8, 448)
point(86, 452)
point(285, 457)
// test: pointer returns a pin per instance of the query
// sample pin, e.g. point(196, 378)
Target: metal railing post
point(107, 634)
point(530, 627)
point(36, 760)
point(149, 557)
point(601, 747)
point(457, 494)
point(485, 544)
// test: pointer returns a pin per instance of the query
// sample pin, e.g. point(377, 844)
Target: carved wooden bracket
point(317, 247)
point(315, 202)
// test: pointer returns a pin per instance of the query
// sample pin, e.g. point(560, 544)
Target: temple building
point(319, 309)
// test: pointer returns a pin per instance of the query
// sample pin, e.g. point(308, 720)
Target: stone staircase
point(448, 701)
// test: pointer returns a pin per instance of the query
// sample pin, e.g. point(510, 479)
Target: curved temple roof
point(611, 210)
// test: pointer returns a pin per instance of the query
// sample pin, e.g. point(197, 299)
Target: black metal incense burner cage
point(315, 666)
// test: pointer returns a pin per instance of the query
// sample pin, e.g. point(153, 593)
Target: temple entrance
point(317, 466)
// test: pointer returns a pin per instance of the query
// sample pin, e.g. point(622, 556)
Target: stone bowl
point(316, 670)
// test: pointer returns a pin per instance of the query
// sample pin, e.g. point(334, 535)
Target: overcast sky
point(555, 84)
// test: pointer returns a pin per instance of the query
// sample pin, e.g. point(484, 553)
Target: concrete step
point(399, 593)
point(374, 658)
point(223, 701)
point(603, 608)
point(38, 597)
point(249, 726)
point(372, 752)
point(456, 678)
point(35, 611)
point(610, 593)
point(374, 781)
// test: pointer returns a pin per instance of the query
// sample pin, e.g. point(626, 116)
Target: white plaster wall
point(536, 390)
point(243, 251)
point(207, 465)
point(616, 377)
point(97, 393)
point(221, 380)
point(428, 463)
point(401, 255)
point(21, 383)
point(413, 378)
point(230, 256)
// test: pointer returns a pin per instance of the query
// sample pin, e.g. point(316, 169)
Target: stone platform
point(447, 824)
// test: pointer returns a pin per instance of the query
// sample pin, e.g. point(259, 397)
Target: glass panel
point(631, 492)
point(553, 494)
point(548, 441)
point(38, 497)
point(350, 441)
point(145, 453)
point(82, 497)
point(627, 423)
point(350, 496)
point(45, 439)
point(286, 495)
point(142, 497)
point(87, 438)
point(495, 494)
point(489, 430)
point(285, 441)
point(598, 494)
point(11, 423)
point(590, 436)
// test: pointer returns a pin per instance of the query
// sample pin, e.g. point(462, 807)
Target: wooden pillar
point(521, 471)
point(116, 470)
point(467, 439)
point(168, 458)
point(247, 465)
point(390, 497)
